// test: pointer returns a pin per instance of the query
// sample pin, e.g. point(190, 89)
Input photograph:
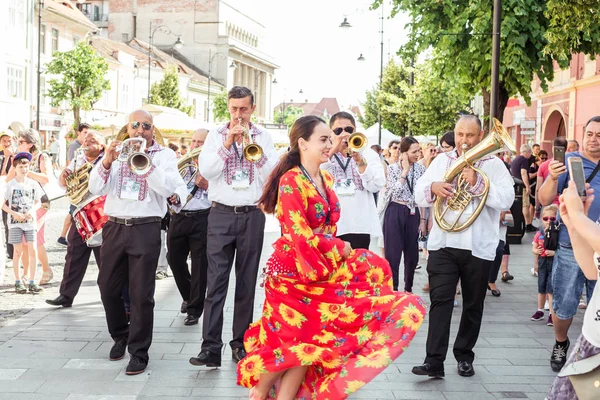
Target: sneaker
point(455, 303)
point(62, 241)
point(546, 306)
point(35, 288)
point(117, 352)
point(559, 356)
point(20, 288)
point(161, 275)
point(538, 316)
point(534, 272)
point(550, 323)
point(136, 365)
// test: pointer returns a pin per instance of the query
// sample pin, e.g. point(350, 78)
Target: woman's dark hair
point(393, 142)
point(302, 128)
point(448, 138)
point(406, 142)
point(341, 115)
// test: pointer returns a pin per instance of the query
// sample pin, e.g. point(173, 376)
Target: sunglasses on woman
point(338, 131)
point(146, 126)
point(551, 219)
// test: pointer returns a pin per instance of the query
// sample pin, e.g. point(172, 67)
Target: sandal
point(252, 395)
point(506, 276)
point(46, 277)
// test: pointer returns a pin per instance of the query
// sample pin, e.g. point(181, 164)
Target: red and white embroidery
point(125, 172)
point(234, 161)
point(339, 174)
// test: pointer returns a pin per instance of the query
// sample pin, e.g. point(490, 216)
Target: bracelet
point(423, 219)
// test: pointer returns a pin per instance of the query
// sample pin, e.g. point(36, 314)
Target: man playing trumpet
point(135, 204)
point(78, 252)
point(466, 254)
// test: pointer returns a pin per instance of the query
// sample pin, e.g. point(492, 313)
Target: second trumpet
point(132, 152)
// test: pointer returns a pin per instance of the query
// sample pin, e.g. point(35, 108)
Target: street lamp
point(39, 70)
point(210, 60)
point(344, 25)
point(178, 45)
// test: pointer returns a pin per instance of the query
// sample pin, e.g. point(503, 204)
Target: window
point(16, 14)
point(43, 38)
point(76, 39)
point(43, 99)
point(54, 40)
point(124, 97)
point(125, 37)
point(15, 83)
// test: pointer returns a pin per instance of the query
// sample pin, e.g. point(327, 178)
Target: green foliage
point(370, 106)
point(289, 115)
point(166, 92)
point(81, 78)
point(219, 107)
point(574, 27)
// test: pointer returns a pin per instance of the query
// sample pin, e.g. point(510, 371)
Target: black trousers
point(76, 263)
point(9, 247)
point(130, 256)
point(231, 235)
point(401, 232)
point(188, 234)
point(357, 240)
point(497, 262)
point(445, 267)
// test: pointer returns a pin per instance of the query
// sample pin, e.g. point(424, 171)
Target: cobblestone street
point(48, 353)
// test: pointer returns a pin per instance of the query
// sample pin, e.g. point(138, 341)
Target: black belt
point(134, 221)
point(234, 209)
point(194, 212)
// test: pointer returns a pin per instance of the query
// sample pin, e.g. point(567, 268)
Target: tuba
point(77, 182)
point(357, 142)
point(496, 140)
point(188, 169)
point(252, 151)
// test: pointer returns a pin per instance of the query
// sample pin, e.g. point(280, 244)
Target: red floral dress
point(339, 316)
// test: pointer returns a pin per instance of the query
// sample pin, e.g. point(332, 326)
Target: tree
point(81, 79)
point(289, 115)
point(219, 108)
point(388, 100)
point(166, 92)
point(432, 103)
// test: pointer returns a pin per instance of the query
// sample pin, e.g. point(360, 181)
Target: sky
point(318, 57)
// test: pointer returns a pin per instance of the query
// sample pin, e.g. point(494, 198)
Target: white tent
point(373, 136)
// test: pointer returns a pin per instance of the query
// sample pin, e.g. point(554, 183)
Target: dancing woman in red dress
point(331, 321)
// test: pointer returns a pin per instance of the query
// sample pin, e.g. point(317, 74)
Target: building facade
point(571, 100)
point(220, 40)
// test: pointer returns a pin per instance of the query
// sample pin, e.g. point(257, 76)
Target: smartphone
point(577, 175)
point(559, 154)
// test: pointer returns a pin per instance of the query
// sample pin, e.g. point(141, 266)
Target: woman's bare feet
point(256, 395)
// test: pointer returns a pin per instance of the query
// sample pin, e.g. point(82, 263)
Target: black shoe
point(495, 292)
point(530, 228)
point(238, 354)
point(506, 276)
point(427, 370)
point(117, 352)
point(136, 365)
point(465, 368)
point(191, 320)
point(206, 358)
point(61, 300)
point(184, 307)
point(559, 356)
point(62, 241)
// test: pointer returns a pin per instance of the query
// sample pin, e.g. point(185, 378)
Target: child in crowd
point(23, 195)
point(545, 258)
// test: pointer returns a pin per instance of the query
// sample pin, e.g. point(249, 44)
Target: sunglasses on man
point(136, 124)
point(349, 129)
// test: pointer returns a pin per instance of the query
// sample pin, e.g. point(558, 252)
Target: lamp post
point(39, 68)
point(495, 60)
point(210, 60)
point(345, 24)
point(166, 30)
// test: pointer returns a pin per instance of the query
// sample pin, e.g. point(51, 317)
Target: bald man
point(78, 252)
point(187, 234)
point(136, 202)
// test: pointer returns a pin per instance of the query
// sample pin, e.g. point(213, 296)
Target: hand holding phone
point(577, 175)
point(559, 154)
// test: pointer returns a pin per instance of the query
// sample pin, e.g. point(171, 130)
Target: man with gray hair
point(136, 202)
point(187, 234)
point(519, 169)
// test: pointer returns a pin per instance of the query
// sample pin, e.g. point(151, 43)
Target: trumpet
point(357, 142)
point(132, 152)
point(252, 152)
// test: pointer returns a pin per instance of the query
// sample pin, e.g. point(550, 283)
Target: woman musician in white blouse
point(402, 221)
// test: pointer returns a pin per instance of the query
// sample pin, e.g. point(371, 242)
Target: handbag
point(584, 376)
point(551, 236)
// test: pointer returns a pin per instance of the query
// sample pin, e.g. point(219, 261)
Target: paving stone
point(11, 374)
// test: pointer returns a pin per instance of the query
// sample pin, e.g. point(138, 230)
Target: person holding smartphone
point(567, 278)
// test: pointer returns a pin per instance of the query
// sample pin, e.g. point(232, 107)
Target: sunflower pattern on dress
point(338, 316)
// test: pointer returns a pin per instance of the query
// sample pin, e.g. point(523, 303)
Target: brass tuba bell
point(497, 139)
point(188, 169)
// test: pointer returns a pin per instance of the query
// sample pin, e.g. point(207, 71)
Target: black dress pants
point(130, 256)
point(230, 235)
point(8, 246)
point(445, 267)
point(76, 263)
point(188, 234)
point(357, 240)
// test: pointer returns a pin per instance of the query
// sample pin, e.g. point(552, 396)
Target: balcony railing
point(96, 17)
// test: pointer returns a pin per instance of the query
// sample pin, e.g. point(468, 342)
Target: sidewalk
point(52, 353)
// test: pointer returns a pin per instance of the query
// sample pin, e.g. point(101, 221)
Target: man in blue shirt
point(567, 279)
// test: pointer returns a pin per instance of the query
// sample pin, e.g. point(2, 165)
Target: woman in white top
point(585, 238)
